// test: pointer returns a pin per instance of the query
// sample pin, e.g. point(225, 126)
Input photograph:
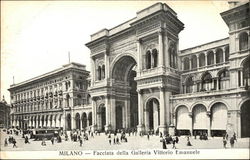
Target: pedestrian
point(109, 137)
point(52, 140)
point(188, 142)
point(234, 135)
point(224, 142)
point(10, 141)
point(174, 141)
point(148, 136)
point(59, 139)
point(26, 140)
point(80, 142)
point(232, 142)
point(14, 143)
point(66, 137)
point(5, 142)
point(117, 140)
point(164, 146)
point(114, 140)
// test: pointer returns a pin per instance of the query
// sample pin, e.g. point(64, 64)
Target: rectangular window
point(239, 79)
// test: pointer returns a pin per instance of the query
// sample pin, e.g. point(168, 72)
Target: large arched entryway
point(200, 119)
point(126, 96)
point(101, 117)
point(245, 119)
point(119, 117)
point(90, 118)
point(68, 127)
point(84, 120)
point(152, 115)
point(218, 119)
point(77, 119)
point(183, 121)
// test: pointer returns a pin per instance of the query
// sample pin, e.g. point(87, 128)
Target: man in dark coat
point(164, 146)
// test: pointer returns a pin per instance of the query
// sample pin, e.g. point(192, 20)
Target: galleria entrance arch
point(245, 119)
point(126, 97)
point(133, 62)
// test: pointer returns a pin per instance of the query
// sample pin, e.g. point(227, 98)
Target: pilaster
point(140, 127)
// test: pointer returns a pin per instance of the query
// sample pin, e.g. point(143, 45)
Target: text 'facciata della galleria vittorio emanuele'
point(141, 81)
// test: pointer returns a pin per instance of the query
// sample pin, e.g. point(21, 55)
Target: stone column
point(190, 114)
point(161, 49)
point(162, 126)
point(174, 119)
point(238, 124)
point(80, 123)
point(224, 54)
point(182, 65)
point(73, 120)
point(241, 78)
point(190, 63)
point(146, 118)
point(127, 113)
point(41, 122)
point(140, 127)
point(107, 64)
point(139, 55)
point(107, 105)
point(94, 116)
point(63, 120)
point(112, 113)
point(209, 123)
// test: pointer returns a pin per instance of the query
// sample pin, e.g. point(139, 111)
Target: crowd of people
point(114, 138)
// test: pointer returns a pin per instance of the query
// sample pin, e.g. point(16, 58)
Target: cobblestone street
point(101, 143)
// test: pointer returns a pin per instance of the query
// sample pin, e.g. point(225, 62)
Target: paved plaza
point(100, 142)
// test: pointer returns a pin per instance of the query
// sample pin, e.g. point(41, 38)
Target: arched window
point(172, 55)
point(201, 60)
point(206, 82)
point(103, 71)
point(186, 63)
point(99, 73)
point(88, 99)
point(227, 53)
point(210, 58)
point(189, 85)
point(194, 61)
point(148, 60)
point(224, 79)
point(219, 55)
point(155, 57)
point(246, 73)
point(79, 97)
point(243, 41)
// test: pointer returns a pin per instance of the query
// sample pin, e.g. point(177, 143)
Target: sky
point(36, 36)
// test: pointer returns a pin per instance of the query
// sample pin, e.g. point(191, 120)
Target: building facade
point(55, 99)
point(4, 114)
point(140, 79)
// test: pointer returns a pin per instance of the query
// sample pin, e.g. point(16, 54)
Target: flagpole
point(69, 56)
